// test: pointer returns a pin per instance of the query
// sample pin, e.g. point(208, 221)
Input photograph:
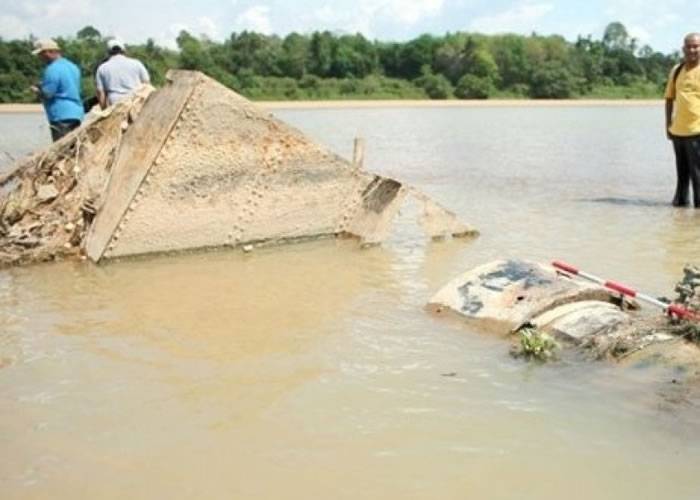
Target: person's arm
point(143, 74)
point(100, 89)
point(669, 116)
point(102, 99)
point(49, 85)
point(670, 97)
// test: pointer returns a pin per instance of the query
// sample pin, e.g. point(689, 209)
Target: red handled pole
point(674, 309)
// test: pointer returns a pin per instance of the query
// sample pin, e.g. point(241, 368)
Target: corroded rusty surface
point(230, 174)
point(137, 152)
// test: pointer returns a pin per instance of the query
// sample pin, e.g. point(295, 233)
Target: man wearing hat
point(119, 76)
point(59, 89)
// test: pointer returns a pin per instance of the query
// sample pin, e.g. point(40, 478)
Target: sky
point(660, 24)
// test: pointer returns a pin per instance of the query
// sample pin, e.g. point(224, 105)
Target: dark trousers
point(61, 128)
point(687, 151)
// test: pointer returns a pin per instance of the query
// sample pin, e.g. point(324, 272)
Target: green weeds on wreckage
point(535, 345)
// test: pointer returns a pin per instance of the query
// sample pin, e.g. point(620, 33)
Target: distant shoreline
point(410, 103)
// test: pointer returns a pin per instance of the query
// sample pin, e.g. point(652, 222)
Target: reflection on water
point(313, 371)
point(638, 202)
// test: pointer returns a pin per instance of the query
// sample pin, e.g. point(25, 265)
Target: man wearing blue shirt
point(59, 89)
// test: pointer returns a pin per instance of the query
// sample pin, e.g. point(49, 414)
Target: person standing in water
point(683, 120)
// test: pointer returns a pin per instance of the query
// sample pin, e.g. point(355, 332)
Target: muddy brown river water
point(312, 371)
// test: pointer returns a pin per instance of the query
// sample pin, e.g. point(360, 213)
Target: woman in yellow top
point(683, 120)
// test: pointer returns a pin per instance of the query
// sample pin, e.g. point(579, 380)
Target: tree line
point(325, 65)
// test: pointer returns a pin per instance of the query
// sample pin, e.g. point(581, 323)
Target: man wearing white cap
point(119, 76)
point(59, 89)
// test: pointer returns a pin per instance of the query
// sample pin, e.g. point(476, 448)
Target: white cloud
point(255, 18)
point(168, 38)
point(206, 26)
point(410, 12)
point(26, 8)
point(58, 9)
point(666, 19)
point(358, 20)
point(641, 17)
point(326, 15)
point(12, 27)
point(334, 19)
point(364, 16)
point(638, 32)
point(58, 17)
point(658, 24)
point(175, 28)
point(519, 18)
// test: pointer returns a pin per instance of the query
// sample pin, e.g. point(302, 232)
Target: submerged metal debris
point(193, 165)
point(509, 296)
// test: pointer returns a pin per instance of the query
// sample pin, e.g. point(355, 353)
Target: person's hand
point(36, 90)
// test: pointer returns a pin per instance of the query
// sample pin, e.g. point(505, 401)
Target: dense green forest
point(324, 65)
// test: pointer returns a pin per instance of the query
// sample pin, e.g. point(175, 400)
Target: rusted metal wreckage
point(192, 165)
point(507, 296)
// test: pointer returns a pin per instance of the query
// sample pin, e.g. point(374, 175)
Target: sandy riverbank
point(404, 103)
